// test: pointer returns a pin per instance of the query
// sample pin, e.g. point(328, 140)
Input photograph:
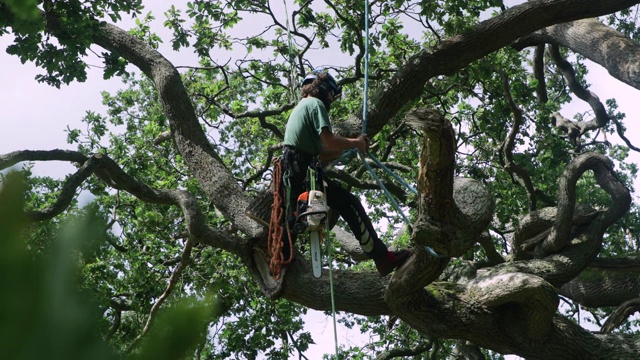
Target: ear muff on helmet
point(331, 82)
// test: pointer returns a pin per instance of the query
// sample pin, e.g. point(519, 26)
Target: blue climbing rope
point(395, 176)
point(384, 188)
point(349, 154)
point(365, 96)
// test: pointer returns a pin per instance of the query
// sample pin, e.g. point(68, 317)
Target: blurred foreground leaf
point(23, 9)
point(45, 315)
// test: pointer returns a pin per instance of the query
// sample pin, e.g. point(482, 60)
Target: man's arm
point(333, 145)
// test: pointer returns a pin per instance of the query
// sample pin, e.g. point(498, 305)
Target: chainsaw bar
point(316, 254)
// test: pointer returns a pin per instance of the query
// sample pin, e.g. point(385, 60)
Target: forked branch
point(605, 177)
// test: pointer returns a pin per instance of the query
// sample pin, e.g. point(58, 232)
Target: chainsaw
point(311, 218)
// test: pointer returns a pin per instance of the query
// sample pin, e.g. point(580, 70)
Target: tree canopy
point(523, 225)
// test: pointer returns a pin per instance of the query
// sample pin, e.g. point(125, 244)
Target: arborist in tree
point(308, 142)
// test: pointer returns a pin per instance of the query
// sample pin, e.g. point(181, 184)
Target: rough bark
point(598, 43)
point(606, 282)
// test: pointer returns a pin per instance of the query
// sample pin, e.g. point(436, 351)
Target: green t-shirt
point(305, 125)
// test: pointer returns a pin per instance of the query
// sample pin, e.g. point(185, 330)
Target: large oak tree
point(520, 206)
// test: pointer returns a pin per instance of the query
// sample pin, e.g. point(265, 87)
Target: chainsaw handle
point(310, 213)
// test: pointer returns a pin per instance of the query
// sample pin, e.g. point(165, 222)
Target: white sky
point(34, 116)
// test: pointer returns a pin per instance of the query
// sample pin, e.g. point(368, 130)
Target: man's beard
point(327, 104)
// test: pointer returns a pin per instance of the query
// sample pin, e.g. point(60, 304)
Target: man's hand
point(333, 145)
point(362, 143)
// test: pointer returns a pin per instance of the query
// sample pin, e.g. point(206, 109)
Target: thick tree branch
point(489, 248)
point(538, 73)
point(598, 43)
point(119, 304)
point(574, 251)
point(117, 321)
point(602, 118)
point(365, 299)
point(465, 350)
point(15, 157)
point(108, 171)
point(606, 282)
point(67, 193)
point(453, 211)
point(195, 221)
point(437, 161)
point(504, 324)
point(162, 137)
point(572, 128)
point(536, 299)
point(617, 264)
point(433, 229)
point(536, 226)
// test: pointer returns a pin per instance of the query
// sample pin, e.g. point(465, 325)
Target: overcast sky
point(34, 116)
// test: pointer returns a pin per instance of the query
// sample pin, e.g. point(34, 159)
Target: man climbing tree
point(526, 202)
point(309, 141)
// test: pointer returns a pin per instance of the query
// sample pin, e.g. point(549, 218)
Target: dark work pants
point(294, 169)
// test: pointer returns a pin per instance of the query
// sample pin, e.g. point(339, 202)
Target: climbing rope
point(292, 75)
point(365, 96)
point(384, 188)
point(395, 176)
point(333, 298)
point(365, 100)
point(347, 156)
point(275, 225)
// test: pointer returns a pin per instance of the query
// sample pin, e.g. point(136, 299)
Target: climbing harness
point(309, 215)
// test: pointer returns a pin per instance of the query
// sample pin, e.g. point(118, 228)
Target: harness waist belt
point(292, 153)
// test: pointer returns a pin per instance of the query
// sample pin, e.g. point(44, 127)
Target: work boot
point(391, 261)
